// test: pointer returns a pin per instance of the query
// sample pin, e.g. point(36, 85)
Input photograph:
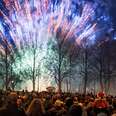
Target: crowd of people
point(20, 103)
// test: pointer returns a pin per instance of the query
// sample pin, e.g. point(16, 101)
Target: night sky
point(113, 13)
point(112, 5)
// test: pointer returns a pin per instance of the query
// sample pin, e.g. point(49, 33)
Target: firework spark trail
point(32, 22)
point(26, 19)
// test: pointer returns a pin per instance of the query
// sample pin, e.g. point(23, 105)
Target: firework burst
point(26, 24)
point(26, 20)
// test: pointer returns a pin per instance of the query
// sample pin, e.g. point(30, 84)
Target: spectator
point(10, 108)
point(35, 108)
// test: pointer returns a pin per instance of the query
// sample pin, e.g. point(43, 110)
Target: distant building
point(51, 89)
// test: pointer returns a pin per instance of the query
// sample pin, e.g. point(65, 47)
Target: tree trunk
point(67, 85)
point(101, 80)
point(38, 83)
point(59, 80)
point(101, 70)
point(33, 75)
point(85, 84)
point(59, 71)
point(86, 73)
point(6, 67)
point(70, 61)
point(59, 86)
point(108, 68)
point(94, 87)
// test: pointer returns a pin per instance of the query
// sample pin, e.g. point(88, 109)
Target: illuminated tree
point(57, 61)
point(28, 63)
point(26, 24)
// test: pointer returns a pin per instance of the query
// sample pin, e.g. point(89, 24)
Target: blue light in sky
point(76, 18)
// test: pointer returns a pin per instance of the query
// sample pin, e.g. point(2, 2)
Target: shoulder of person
point(3, 109)
point(114, 114)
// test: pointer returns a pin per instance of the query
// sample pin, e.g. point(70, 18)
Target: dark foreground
point(54, 104)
